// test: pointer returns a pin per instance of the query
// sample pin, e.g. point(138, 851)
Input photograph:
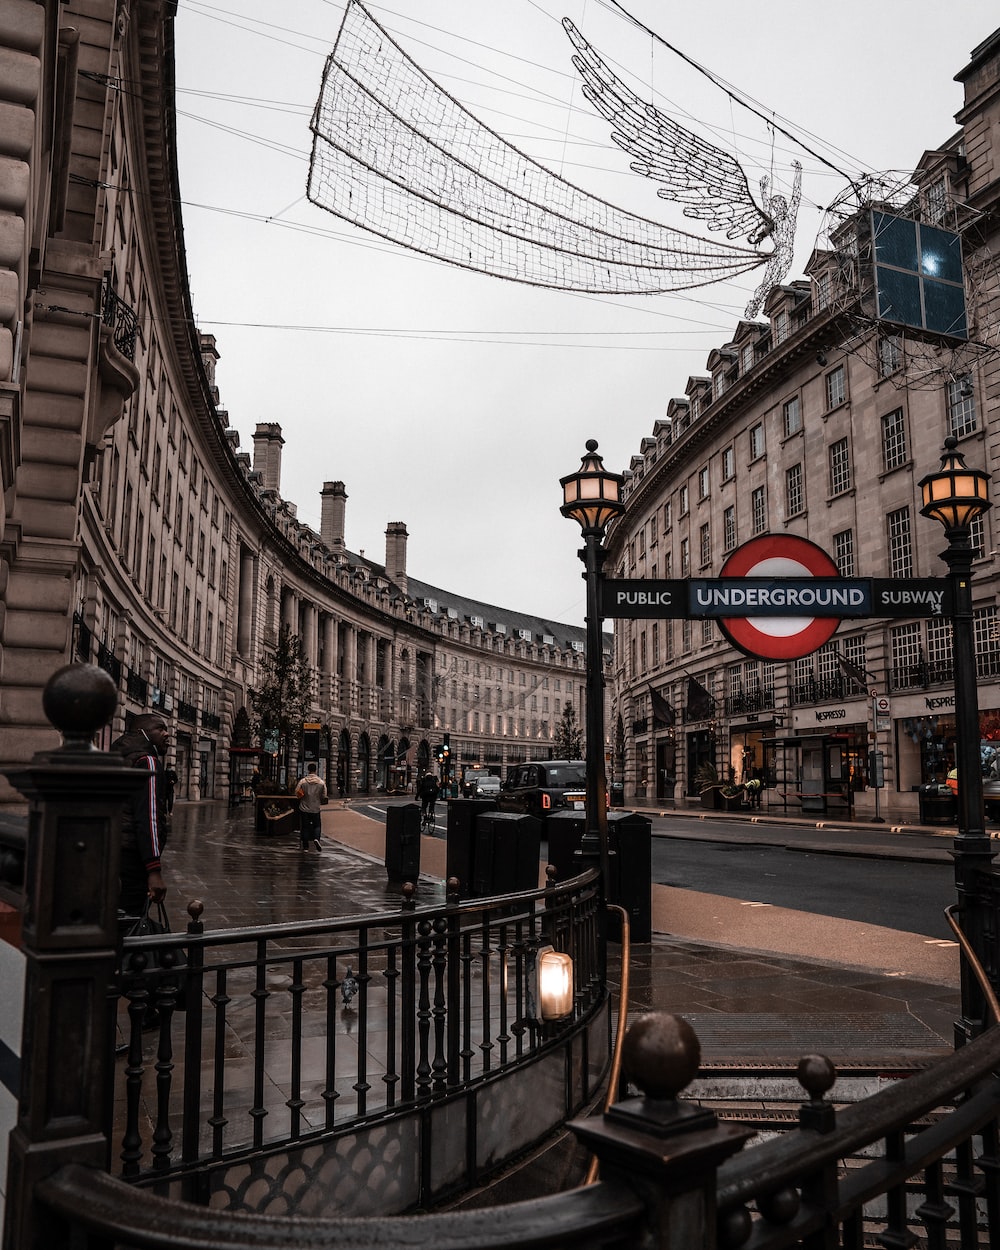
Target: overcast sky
point(454, 401)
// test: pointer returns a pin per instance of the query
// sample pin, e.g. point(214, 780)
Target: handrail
point(595, 1216)
point(974, 963)
point(784, 1159)
point(386, 919)
point(615, 1071)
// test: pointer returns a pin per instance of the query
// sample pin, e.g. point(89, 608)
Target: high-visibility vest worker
point(952, 780)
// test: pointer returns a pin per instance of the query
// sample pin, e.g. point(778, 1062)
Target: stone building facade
point(820, 422)
point(136, 533)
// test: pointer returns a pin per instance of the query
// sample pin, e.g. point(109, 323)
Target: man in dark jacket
point(144, 827)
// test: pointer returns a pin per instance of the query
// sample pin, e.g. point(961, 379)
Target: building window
point(685, 636)
point(821, 291)
point(893, 439)
point(666, 516)
point(794, 494)
point(904, 642)
point(936, 200)
point(685, 557)
point(705, 545)
point(836, 387)
point(854, 651)
point(962, 407)
point(703, 483)
point(779, 327)
point(758, 505)
point(843, 552)
point(652, 530)
point(987, 641)
point(840, 467)
point(977, 537)
point(729, 528)
point(900, 550)
point(707, 633)
point(756, 441)
point(728, 464)
point(746, 358)
point(682, 501)
point(890, 355)
point(939, 649)
point(793, 416)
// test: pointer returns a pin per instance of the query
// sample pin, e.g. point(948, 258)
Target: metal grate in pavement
point(772, 1036)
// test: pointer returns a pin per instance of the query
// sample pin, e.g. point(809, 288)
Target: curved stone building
point(136, 532)
point(820, 422)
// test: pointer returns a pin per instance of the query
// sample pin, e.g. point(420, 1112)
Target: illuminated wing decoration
point(395, 154)
point(709, 182)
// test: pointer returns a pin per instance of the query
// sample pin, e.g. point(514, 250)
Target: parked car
point(472, 778)
point(543, 786)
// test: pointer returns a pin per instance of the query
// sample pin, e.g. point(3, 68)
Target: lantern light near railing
point(554, 970)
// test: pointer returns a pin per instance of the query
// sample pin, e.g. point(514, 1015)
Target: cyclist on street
point(428, 790)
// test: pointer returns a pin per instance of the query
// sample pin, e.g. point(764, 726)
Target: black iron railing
point(123, 322)
point(111, 664)
point(136, 687)
point(745, 701)
point(187, 712)
point(374, 1014)
point(84, 638)
point(920, 1156)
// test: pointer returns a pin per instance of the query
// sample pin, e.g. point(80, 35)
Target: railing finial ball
point(79, 700)
point(816, 1074)
point(661, 1054)
point(195, 909)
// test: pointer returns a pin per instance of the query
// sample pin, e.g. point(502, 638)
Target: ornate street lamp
point(955, 496)
point(593, 497)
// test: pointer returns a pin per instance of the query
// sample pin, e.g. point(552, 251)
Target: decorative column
point(70, 939)
point(664, 1148)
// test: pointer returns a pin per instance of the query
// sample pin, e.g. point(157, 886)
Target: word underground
point(740, 598)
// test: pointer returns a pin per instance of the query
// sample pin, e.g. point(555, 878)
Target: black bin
point(460, 852)
point(630, 837)
point(507, 853)
point(402, 842)
point(938, 806)
point(564, 833)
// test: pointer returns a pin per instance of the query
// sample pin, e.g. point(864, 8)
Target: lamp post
point(955, 496)
point(592, 496)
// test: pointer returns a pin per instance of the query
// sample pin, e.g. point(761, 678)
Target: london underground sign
point(780, 597)
point(781, 637)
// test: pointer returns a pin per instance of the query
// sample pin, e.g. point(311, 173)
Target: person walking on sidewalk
point(311, 791)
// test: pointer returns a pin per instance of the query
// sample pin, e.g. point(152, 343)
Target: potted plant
point(277, 810)
point(731, 796)
point(708, 781)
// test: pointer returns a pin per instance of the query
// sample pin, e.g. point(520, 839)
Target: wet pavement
point(761, 986)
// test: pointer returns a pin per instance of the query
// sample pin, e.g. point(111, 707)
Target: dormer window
point(779, 326)
point(936, 200)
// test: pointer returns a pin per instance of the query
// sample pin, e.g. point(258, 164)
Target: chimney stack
point(267, 445)
point(395, 553)
point(333, 507)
